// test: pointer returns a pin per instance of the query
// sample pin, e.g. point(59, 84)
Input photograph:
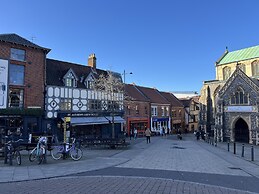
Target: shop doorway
point(241, 131)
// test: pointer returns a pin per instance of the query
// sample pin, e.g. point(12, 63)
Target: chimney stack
point(92, 61)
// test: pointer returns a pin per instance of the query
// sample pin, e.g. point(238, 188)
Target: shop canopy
point(95, 120)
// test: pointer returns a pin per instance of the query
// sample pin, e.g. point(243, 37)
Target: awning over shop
point(95, 120)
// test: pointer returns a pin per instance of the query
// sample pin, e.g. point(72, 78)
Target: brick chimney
point(92, 61)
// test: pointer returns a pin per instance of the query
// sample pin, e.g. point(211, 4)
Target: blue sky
point(171, 45)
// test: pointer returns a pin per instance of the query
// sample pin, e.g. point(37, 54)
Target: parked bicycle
point(39, 152)
point(12, 152)
point(71, 149)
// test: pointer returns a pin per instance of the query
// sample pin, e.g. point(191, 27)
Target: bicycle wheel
point(17, 156)
point(40, 156)
point(56, 153)
point(76, 153)
point(32, 156)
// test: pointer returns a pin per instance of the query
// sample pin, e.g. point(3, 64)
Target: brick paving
point(162, 155)
point(104, 184)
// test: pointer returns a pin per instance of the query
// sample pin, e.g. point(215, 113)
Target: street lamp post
point(124, 76)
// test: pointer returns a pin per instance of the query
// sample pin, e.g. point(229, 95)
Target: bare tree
point(112, 90)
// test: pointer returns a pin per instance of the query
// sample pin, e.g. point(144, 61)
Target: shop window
point(16, 74)
point(14, 126)
point(17, 54)
point(16, 98)
point(33, 125)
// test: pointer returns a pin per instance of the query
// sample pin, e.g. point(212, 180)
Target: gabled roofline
point(31, 44)
point(222, 56)
point(238, 71)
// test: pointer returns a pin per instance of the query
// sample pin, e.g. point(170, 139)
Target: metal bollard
point(228, 146)
point(252, 153)
point(234, 147)
point(243, 150)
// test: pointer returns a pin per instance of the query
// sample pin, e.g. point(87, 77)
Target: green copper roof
point(239, 55)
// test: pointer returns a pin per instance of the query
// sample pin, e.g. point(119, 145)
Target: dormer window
point(70, 80)
point(89, 81)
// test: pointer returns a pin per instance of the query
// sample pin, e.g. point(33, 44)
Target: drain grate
point(234, 168)
point(178, 147)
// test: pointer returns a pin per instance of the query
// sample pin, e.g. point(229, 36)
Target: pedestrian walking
point(148, 135)
point(135, 133)
point(131, 133)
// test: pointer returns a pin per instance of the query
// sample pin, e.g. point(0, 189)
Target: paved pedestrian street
point(166, 165)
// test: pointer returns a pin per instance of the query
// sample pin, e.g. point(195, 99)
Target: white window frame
point(154, 110)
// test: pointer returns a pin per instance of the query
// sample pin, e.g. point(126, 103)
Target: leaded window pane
point(241, 98)
point(237, 97)
point(233, 100)
point(16, 98)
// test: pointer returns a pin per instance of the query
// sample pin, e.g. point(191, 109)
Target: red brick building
point(160, 120)
point(176, 113)
point(22, 78)
point(137, 110)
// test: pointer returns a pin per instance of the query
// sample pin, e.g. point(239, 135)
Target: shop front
point(160, 125)
point(19, 127)
point(141, 124)
point(91, 126)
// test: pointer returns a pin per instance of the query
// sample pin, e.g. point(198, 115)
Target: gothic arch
point(255, 68)
point(240, 129)
point(226, 72)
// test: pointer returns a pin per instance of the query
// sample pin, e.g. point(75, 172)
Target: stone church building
point(229, 104)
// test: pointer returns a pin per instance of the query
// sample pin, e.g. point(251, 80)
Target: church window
point(239, 97)
point(226, 72)
point(255, 68)
point(242, 67)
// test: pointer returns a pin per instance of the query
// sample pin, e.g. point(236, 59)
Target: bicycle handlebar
point(9, 142)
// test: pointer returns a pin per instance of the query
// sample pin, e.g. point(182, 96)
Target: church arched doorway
point(241, 131)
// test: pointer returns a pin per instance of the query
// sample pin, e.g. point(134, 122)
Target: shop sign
point(3, 83)
point(160, 119)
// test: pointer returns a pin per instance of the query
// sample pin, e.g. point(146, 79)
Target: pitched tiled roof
point(57, 69)
point(133, 92)
point(153, 94)
point(175, 102)
point(186, 102)
point(16, 39)
point(239, 55)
